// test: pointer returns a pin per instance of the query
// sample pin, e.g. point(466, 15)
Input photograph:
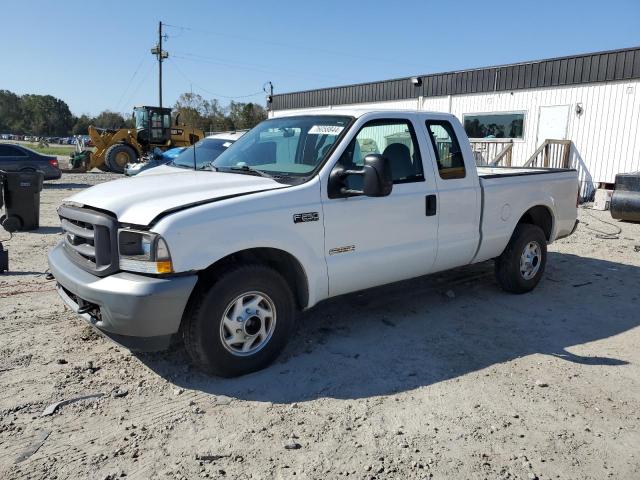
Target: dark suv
point(16, 158)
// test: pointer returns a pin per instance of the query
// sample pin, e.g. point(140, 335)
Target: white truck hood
point(138, 200)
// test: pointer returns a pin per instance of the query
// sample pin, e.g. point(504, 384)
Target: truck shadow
point(419, 332)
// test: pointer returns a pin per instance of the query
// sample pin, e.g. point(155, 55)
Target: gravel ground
point(441, 377)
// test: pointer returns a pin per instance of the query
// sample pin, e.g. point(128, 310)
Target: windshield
point(141, 118)
point(288, 146)
point(206, 151)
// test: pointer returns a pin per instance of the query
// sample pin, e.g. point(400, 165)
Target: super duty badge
point(305, 217)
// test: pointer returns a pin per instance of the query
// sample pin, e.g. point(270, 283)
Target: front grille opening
point(90, 245)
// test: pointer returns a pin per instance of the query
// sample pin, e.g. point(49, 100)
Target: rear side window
point(447, 149)
point(9, 151)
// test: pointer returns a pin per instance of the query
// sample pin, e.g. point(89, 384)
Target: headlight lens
point(143, 252)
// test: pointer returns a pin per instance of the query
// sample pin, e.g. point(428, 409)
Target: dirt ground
point(441, 377)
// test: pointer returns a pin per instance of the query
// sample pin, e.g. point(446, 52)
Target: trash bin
point(21, 200)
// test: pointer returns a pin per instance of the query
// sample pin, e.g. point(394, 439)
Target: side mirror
point(157, 153)
point(377, 180)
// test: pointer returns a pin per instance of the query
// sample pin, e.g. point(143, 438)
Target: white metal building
point(593, 100)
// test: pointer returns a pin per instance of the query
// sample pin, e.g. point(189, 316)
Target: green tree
point(10, 113)
point(81, 125)
point(46, 115)
point(109, 119)
point(246, 115)
point(193, 109)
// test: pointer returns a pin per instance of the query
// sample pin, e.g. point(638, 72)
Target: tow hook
point(92, 309)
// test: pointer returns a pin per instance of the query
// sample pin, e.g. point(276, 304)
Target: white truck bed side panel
point(507, 198)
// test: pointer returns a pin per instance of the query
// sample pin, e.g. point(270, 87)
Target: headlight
point(144, 252)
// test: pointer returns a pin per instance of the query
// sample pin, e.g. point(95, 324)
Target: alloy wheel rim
point(530, 260)
point(248, 323)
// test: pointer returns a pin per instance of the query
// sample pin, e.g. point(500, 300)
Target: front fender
point(200, 236)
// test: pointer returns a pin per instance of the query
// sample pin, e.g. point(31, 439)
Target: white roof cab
point(301, 208)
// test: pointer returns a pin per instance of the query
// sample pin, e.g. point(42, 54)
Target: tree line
point(46, 115)
point(211, 116)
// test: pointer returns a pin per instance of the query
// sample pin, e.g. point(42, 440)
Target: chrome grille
point(90, 239)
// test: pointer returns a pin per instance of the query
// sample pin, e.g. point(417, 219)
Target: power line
point(118, 105)
point(298, 47)
point(253, 67)
point(200, 87)
point(143, 80)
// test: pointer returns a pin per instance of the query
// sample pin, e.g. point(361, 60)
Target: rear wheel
point(117, 156)
point(522, 264)
point(241, 322)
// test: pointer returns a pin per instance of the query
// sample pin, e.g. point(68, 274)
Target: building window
point(494, 125)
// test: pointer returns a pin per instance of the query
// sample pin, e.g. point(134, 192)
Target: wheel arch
point(541, 216)
point(281, 261)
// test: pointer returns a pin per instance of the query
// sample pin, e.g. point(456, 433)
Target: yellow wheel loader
point(115, 148)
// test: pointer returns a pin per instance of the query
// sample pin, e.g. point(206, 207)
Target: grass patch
point(51, 150)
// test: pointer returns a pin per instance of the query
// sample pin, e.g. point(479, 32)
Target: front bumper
point(139, 312)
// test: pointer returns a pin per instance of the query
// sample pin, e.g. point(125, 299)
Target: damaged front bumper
point(139, 312)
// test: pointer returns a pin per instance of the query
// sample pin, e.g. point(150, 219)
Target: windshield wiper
point(242, 169)
point(174, 164)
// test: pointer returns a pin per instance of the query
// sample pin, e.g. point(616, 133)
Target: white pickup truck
point(300, 209)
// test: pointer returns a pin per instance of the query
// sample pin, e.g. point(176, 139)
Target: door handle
point(431, 205)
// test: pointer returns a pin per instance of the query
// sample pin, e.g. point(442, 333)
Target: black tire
point(507, 265)
point(117, 156)
point(11, 223)
point(202, 332)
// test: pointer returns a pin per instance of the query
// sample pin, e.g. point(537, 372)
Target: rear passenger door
point(459, 202)
point(376, 240)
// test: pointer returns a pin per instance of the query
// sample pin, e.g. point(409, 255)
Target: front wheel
point(118, 156)
point(241, 322)
point(521, 265)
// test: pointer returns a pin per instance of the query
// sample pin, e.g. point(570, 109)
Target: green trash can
point(21, 200)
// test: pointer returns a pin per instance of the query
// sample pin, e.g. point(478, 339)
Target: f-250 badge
point(305, 217)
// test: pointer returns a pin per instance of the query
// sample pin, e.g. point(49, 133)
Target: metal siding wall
point(590, 68)
point(605, 136)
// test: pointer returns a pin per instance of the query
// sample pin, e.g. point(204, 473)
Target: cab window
point(447, 149)
point(393, 138)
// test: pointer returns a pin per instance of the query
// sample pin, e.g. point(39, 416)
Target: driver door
point(376, 240)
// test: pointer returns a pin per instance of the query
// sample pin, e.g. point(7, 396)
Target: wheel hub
point(252, 326)
point(530, 260)
point(248, 323)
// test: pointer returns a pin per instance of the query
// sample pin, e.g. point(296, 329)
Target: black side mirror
point(377, 179)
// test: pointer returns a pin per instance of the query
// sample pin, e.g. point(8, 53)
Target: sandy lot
point(441, 377)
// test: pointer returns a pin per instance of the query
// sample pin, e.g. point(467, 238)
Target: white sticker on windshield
point(325, 130)
point(226, 144)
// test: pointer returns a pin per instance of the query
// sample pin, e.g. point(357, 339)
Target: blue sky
point(95, 56)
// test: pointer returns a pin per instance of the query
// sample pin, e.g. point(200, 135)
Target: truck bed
point(509, 191)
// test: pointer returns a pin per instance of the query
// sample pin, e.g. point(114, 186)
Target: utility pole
point(269, 93)
point(160, 55)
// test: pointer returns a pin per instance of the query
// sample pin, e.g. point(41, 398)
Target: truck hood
point(138, 200)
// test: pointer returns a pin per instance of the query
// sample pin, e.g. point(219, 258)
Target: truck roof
point(357, 112)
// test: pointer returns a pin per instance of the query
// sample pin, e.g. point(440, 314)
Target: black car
point(16, 158)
